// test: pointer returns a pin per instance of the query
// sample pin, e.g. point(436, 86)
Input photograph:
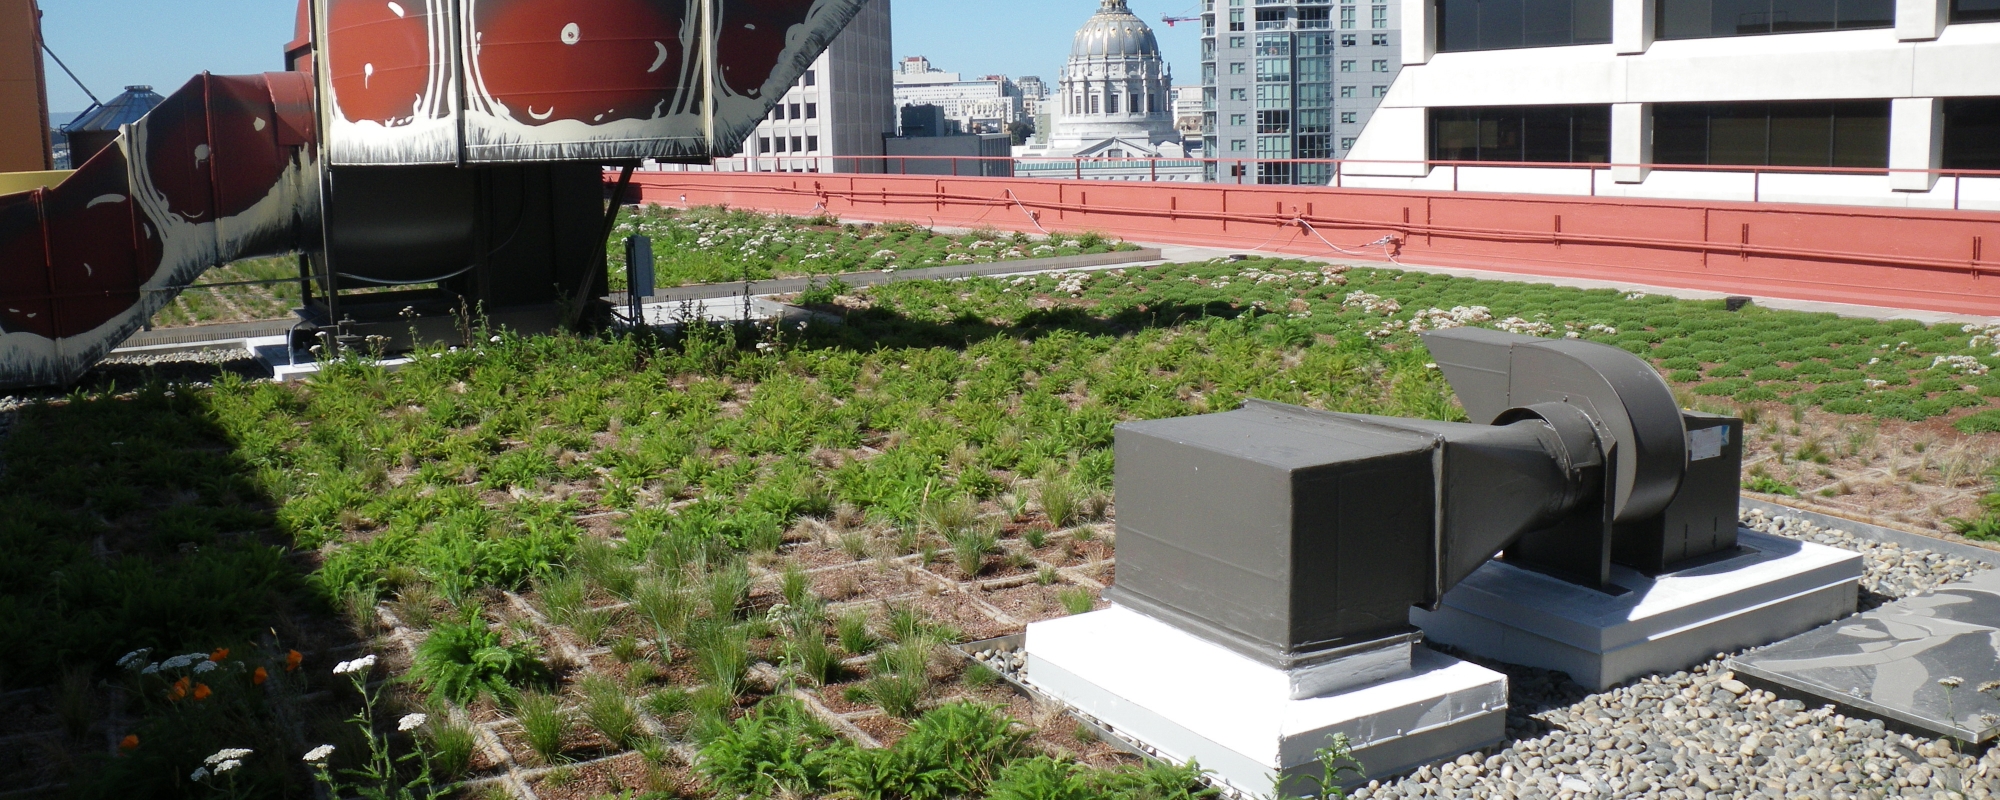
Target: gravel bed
point(1701, 733)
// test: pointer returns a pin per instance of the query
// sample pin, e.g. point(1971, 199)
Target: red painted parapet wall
point(1931, 260)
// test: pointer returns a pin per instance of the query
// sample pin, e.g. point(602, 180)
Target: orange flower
point(201, 691)
point(129, 743)
point(257, 678)
point(292, 660)
point(219, 654)
point(178, 690)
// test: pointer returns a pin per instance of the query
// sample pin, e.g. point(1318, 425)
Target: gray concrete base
point(1184, 698)
point(1773, 589)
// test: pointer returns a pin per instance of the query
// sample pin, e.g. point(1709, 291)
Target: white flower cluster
point(1635, 296)
point(411, 722)
point(1457, 317)
point(134, 659)
point(884, 254)
point(362, 664)
point(959, 258)
point(1071, 283)
point(1043, 249)
point(1983, 335)
point(1963, 365)
point(225, 760)
point(1525, 327)
point(1331, 275)
point(318, 754)
point(1371, 303)
point(984, 243)
point(1070, 243)
point(1873, 383)
point(1599, 327)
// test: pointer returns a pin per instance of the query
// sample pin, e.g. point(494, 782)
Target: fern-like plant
point(465, 658)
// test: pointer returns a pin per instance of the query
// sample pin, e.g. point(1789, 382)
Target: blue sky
point(163, 43)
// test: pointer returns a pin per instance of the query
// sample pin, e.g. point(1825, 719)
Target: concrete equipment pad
point(1770, 589)
point(1187, 698)
point(1890, 661)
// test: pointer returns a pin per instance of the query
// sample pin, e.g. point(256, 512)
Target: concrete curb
point(1877, 533)
point(710, 291)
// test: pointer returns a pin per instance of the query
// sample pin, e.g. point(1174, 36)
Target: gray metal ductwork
point(1295, 536)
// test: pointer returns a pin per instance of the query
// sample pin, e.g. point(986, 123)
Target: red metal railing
point(1336, 174)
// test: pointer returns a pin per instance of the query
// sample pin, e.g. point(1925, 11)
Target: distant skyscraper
point(1292, 79)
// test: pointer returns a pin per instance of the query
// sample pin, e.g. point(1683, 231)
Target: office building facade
point(1292, 79)
point(1707, 99)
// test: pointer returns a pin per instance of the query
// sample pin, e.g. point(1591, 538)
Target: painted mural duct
point(448, 92)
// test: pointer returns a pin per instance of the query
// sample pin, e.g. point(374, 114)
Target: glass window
point(1380, 65)
point(1239, 94)
point(1237, 67)
point(1313, 70)
point(1378, 17)
point(1701, 19)
point(1319, 146)
point(1239, 144)
point(1501, 24)
point(1347, 65)
point(1315, 95)
point(798, 144)
point(1315, 18)
point(1237, 42)
point(1347, 117)
point(1975, 10)
point(763, 144)
point(1972, 133)
point(812, 144)
point(1274, 147)
point(1111, 103)
point(810, 78)
point(1274, 44)
point(1093, 104)
point(1378, 91)
point(1316, 44)
point(1347, 16)
point(1347, 40)
point(1280, 174)
point(1274, 96)
point(1844, 133)
point(1313, 121)
point(1274, 69)
point(812, 111)
point(795, 111)
point(1239, 119)
point(1379, 39)
point(1347, 91)
point(1347, 143)
point(1274, 122)
point(1560, 134)
point(1236, 20)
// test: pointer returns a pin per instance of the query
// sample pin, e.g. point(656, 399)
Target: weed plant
point(778, 748)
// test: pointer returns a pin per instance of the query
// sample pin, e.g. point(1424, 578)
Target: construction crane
point(1171, 19)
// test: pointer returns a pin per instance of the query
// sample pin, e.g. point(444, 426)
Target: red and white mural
point(559, 81)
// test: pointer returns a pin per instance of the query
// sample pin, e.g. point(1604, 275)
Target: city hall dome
point(1114, 32)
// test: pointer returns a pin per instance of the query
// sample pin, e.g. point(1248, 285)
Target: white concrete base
point(1777, 588)
point(1188, 699)
point(289, 365)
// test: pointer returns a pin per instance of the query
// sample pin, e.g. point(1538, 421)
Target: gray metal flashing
point(860, 279)
point(1877, 533)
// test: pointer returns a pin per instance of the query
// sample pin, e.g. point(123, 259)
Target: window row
point(1464, 25)
point(777, 144)
point(1840, 133)
point(796, 111)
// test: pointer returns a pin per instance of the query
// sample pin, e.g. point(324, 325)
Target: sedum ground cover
point(725, 562)
point(717, 245)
